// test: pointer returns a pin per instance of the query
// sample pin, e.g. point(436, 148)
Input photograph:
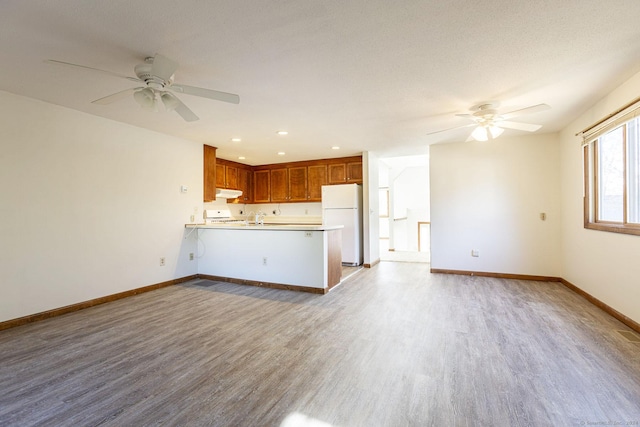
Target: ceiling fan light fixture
point(146, 98)
point(480, 134)
point(169, 100)
point(495, 131)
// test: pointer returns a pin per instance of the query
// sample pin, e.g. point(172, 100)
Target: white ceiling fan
point(490, 124)
point(156, 75)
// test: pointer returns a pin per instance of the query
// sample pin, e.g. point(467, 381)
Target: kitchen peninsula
point(297, 257)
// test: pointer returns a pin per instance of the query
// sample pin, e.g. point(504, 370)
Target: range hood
point(223, 193)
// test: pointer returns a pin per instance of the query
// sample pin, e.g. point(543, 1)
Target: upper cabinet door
point(245, 178)
point(262, 186)
point(354, 172)
point(231, 176)
point(337, 173)
point(297, 184)
point(316, 178)
point(221, 181)
point(279, 185)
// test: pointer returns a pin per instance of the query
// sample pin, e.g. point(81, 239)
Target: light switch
point(184, 188)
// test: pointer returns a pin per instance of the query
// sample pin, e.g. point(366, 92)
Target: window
point(612, 177)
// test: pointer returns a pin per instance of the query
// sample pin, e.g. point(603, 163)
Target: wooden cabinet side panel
point(334, 255)
point(209, 156)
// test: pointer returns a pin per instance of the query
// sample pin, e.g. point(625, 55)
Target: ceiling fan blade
point(163, 67)
point(185, 112)
point(84, 67)
point(523, 111)
point(115, 97)
point(206, 93)
point(466, 116)
point(453, 128)
point(518, 126)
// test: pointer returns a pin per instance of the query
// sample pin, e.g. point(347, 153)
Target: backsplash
point(285, 213)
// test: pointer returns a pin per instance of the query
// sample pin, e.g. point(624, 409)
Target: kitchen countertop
point(286, 227)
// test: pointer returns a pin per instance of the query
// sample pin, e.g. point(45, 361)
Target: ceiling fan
point(490, 124)
point(156, 76)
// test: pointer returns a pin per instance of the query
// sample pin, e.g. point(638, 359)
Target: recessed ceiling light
point(335, 147)
point(281, 153)
point(236, 139)
point(241, 157)
point(283, 132)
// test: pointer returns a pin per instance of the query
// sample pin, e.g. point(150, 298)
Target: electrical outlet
point(191, 256)
point(264, 260)
point(475, 253)
point(162, 261)
point(307, 234)
point(192, 218)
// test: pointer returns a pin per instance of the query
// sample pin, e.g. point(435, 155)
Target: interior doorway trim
point(419, 224)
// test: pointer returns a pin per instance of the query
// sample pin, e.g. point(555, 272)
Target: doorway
point(404, 211)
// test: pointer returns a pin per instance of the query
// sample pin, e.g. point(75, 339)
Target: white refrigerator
point(342, 205)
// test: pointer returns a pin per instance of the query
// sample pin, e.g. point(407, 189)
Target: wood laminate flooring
point(392, 346)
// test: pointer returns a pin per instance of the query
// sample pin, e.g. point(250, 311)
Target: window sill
point(614, 228)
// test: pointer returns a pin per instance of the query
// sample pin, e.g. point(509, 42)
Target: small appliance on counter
point(342, 205)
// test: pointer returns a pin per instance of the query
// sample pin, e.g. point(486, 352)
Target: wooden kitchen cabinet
point(289, 184)
point(231, 175)
point(279, 185)
point(298, 184)
point(345, 173)
point(226, 175)
point(354, 172)
point(209, 156)
point(286, 182)
point(316, 178)
point(337, 173)
point(262, 186)
point(245, 181)
point(220, 176)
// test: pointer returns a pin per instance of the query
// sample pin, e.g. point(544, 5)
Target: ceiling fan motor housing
point(486, 114)
point(143, 71)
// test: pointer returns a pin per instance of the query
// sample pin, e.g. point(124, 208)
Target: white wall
point(88, 206)
point(488, 197)
point(604, 264)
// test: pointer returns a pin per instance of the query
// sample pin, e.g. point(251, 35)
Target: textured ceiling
point(370, 75)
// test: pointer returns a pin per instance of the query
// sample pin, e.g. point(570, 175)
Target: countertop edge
point(278, 227)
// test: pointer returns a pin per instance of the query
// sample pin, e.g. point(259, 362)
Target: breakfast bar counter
point(304, 257)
